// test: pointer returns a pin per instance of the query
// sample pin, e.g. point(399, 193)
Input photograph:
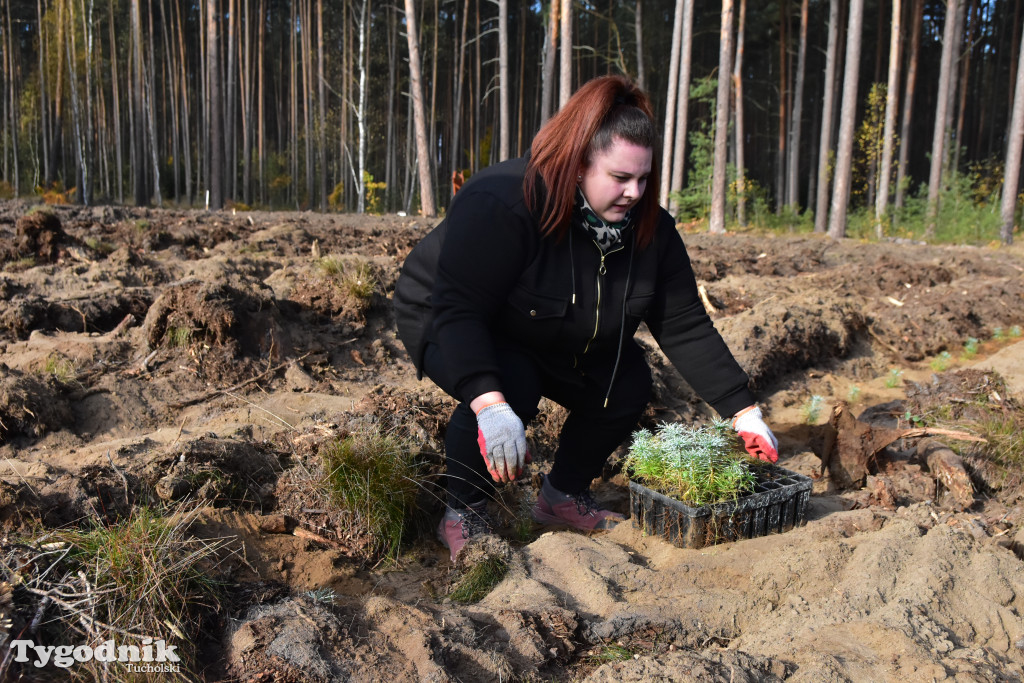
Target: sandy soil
point(890, 579)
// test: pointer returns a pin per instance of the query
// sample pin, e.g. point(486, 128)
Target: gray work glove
point(502, 440)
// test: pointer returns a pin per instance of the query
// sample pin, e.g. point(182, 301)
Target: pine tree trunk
point(780, 168)
point(682, 103)
point(719, 180)
point(1011, 180)
point(322, 102)
point(503, 84)
point(825, 144)
point(641, 79)
point(565, 72)
point(906, 129)
point(941, 107)
point(137, 117)
point(737, 80)
point(889, 128)
point(671, 104)
point(844, 153)
point(793, 183)
point(215, 121)
point(416, 89)
point(150, 105)
point(550, 52)
point(44, 104)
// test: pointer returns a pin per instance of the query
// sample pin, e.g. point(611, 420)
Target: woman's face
point(615, 179)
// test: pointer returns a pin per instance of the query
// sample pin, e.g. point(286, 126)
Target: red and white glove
point(757, 438)
point(502, 441)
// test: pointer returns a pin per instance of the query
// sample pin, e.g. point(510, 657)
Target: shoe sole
point(549, 519)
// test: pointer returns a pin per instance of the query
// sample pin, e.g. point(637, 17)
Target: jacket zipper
point(601, 270)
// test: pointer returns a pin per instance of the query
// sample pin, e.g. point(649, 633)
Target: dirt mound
point(217, 325)
point(40, 235)
point(790, 333)
point(220, 471)
point(30, 405)
point(712, 666)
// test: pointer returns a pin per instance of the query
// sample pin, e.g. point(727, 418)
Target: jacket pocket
point(636, 307)
point(536, 306)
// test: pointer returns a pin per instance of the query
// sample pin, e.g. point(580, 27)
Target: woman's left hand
point(757, 438)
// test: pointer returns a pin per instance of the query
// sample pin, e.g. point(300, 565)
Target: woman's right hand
point(502, 440)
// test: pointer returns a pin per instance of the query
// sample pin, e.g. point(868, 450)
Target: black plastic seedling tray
point(778, 503)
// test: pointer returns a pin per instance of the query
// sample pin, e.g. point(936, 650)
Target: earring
point(579, 179)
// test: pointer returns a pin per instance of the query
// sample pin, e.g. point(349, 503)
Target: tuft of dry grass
point(373, 477)
point(141, 578)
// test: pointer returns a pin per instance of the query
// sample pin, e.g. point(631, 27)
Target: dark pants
point(592, 431)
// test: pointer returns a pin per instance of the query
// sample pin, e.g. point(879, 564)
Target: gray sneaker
point(460, 524)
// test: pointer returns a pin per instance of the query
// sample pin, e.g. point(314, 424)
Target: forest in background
point(356, 105)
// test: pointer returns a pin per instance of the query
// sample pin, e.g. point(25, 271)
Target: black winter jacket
point(486, 274)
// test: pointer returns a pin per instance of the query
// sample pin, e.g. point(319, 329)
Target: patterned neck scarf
point(607, 235)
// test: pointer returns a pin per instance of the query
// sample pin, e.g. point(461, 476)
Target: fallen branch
point(708, 306)
point(315, 537)
point(884, 343)
point(932, 431)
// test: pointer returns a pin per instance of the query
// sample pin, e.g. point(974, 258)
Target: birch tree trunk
point(1011, 180)
point(941, 107)
point(848, 115)
point(718, 180)
point(416, 90)
point(793, 183)
point(889, 127)
point(825, 144)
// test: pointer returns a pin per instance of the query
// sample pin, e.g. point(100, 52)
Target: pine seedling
point(970, 348)
point(698, 465)
point(811, 409)
point(941, 362)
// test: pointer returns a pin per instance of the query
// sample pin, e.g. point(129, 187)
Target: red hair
point(601, 111)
